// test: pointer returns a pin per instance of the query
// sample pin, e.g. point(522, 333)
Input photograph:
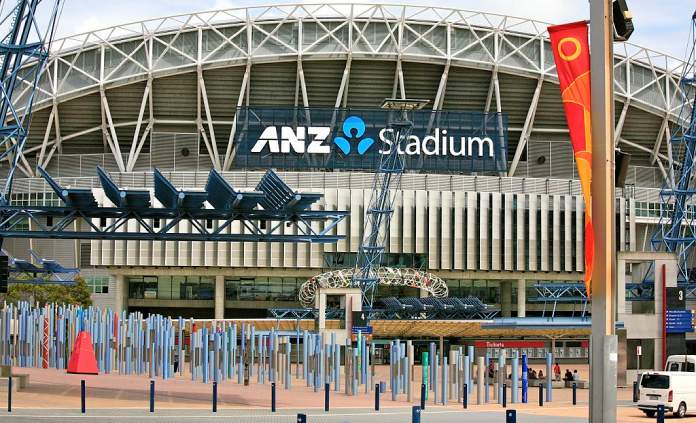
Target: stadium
point(178, 94)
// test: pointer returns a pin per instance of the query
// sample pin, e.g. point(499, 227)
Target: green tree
point(76, 294)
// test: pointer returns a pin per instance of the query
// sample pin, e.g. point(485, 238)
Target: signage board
point(365, 330)
point(356, 138)
point(679, 321)
point(509, 344)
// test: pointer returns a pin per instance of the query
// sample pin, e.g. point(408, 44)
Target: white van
point(675, 390)
point(681, 363)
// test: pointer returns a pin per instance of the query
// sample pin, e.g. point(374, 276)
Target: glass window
point(98, 284)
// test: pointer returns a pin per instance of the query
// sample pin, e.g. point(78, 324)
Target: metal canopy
point(80, 217)
point(221, 195)
point(46, 272)
point(121, 197)
point(173, 198)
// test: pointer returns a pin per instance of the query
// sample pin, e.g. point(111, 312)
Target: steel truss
point(676, 232)
point(96, 61)
point(262, 214)
point(24, 50)
point(554, 293)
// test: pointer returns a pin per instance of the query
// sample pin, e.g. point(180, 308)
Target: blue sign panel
point(365, 330)
point(679, 321)
point(354, 139)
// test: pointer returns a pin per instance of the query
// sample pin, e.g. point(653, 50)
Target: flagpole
point(603, 355)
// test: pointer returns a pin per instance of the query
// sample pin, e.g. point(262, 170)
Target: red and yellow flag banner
point(572, 56)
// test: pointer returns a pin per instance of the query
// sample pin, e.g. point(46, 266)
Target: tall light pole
point(604, 351)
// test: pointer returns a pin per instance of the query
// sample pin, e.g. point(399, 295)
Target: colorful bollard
point(415, 414)
point(152, 396)
point(376, 396)
point(511, 416)
point(273, 397)
point(83, 394)
point(214, 397)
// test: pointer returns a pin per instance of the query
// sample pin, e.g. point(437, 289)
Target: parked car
point(676, 391)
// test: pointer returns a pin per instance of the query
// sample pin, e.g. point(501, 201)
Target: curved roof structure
point(108, 94)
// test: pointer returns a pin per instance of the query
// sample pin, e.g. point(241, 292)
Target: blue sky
point(660, 24)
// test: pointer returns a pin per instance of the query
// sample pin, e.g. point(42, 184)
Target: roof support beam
point(343, 88)
point(136, 143)
point(212, 146)
point(527, 128)
point(243, 93)
point(110, 135)
point(662, 134)
point(47, 134)
point(620, 123)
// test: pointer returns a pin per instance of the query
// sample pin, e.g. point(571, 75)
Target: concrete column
point(506, 298)
point(121, 294)
point(219, 297)
point(521, 298)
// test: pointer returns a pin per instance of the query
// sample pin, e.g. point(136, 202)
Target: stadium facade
point(168, 93)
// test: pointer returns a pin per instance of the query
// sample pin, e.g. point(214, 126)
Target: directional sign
point(679, 321)
point(365, 330)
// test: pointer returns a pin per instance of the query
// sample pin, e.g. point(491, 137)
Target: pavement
point(53, 395)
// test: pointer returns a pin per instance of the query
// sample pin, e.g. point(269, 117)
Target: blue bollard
point(660, 413)
point(301, 418)
point(525, 381)
point(152, 396)
point(82, 396)
point(9, 393)
point(376, 396)
point(415, 414)
point(575, 393)
point(465, 400)
point(504, 395)
point(511, 416)
point(541, 395)
point(214, 397)
point(327, 387)
point(273, 398)
point(422, 396)
point(636, 392)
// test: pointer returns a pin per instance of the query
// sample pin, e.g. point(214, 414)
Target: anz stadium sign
point(354, 139)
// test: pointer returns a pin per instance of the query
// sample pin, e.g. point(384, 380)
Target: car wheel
point(649, 413)
point(681, 411)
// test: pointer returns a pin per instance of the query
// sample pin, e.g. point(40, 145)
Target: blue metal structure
point(677, 229)
point(387, 181)
point(29, 27)
point(408, 308)
point(261, 213)
point(47, 271)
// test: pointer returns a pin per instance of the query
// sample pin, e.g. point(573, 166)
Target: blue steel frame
point(46, 272)
point(261, 213)
point(378, 215)
point(24, 50)
point(677, 229)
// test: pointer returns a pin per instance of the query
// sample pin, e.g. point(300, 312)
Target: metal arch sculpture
point(342, 278)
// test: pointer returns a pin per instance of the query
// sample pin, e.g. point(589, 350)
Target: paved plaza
point(55, 396)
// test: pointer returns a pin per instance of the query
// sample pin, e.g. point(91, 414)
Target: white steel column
point(527, 128)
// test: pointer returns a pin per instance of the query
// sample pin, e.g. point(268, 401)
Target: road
point(263, 416)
